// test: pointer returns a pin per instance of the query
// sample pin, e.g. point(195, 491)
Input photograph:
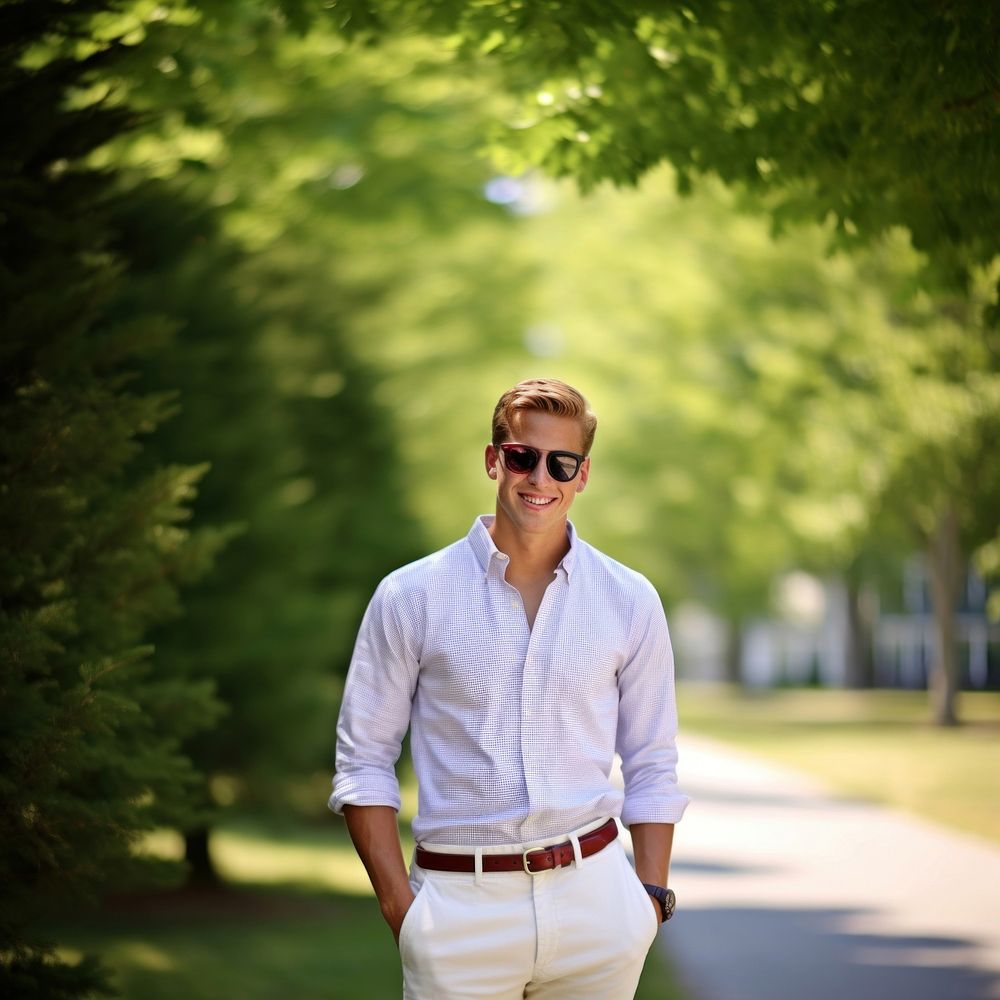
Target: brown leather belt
point(541, 859)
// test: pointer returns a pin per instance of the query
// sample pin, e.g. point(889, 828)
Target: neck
point(530, 554)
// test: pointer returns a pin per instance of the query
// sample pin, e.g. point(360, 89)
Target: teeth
point(538, 501)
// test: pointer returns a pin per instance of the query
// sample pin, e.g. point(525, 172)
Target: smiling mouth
point(537, 501)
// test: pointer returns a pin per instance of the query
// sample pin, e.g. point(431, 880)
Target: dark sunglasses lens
point(563, 466)
point(520, 460)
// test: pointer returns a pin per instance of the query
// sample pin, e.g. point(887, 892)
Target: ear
point(492, 457)
point(583, 476)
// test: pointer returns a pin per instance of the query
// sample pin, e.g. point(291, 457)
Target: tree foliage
point(270, 245)
point(93, 548)
point(280, 205)
point(241, 206)
point(868, 118)
point(875, 115)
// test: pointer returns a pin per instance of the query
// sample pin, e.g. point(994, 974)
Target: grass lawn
point(249, 943)
point(297, 919)
point(875, 745)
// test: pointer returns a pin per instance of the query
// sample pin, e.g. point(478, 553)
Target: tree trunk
point(201, 869)
point(734, 652)
point(860, 667)
point(944, 560)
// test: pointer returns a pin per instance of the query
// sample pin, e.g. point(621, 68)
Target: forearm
point(651, 844)
point(376, 839)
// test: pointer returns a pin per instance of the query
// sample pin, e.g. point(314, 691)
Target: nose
point(539, 475)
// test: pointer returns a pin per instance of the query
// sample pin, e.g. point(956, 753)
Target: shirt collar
point(485, 551)
point(569, 560)
point(482, 544)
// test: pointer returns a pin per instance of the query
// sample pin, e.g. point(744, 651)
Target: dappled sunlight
point(245, 858)
point(168, 844)
point(146, 956)
point(311, 857)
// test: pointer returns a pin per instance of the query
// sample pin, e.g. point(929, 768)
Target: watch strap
point(664, 896)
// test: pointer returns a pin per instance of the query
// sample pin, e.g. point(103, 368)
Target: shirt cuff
point(367, 790)
point(658, 810)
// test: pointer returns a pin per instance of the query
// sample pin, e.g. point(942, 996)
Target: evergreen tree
point(92, 551)
point(302, 470)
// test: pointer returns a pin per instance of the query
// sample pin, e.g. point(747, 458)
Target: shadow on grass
point(252, 942)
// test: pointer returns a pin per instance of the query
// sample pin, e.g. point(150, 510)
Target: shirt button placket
point(533, 763)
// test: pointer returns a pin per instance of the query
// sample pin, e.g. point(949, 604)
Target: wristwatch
point(665, 897)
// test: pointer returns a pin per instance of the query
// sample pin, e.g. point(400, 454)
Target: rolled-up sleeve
point(375, 711)
point(647, 719)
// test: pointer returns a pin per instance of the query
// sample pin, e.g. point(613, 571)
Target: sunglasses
point(521, 459)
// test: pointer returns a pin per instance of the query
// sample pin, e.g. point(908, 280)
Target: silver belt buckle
point(524, 859)
point(556, 863)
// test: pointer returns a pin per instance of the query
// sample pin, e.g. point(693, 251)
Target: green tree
point(304, 193)
point(230, 234)
point(94, 550)
point(871, 116)
point(874, 114)
point(303, 466)
point(771, 406)
point(938, 400)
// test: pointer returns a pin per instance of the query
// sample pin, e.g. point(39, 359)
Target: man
point(521, 659)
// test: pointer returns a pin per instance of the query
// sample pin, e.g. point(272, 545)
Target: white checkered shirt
point(513, 731)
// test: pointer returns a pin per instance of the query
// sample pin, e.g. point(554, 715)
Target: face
point(534, 502)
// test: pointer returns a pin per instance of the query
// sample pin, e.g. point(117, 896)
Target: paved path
point(788, 893)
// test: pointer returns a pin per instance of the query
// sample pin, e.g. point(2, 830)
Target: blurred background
point(267, 266)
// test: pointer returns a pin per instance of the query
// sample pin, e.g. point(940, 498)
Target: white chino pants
point(576, 933)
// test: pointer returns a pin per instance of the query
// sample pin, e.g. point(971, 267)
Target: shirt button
point(515, 604)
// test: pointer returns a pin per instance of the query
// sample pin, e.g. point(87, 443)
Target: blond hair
point(547, 395)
